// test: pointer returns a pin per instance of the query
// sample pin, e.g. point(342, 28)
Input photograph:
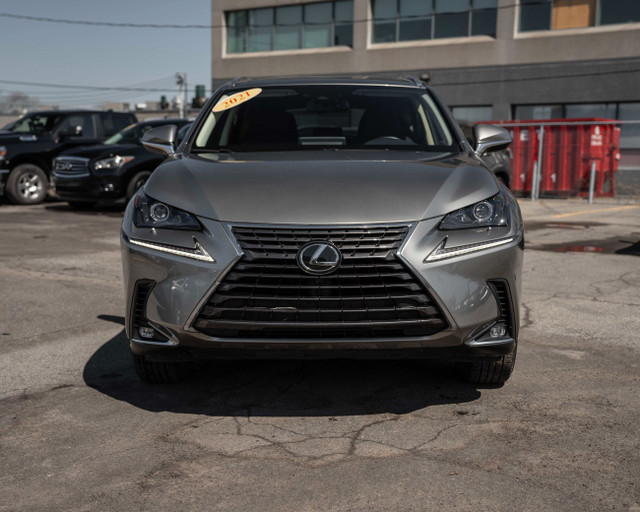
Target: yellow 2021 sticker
point(235, 99)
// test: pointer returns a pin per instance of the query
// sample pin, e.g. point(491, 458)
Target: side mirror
point(161, 139)
point(490, 138)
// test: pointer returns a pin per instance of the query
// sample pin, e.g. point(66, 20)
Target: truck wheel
point(136, 182)
point(27, 184)
point(155, 372)
point(492, 372)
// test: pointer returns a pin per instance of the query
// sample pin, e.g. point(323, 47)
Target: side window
point(85, 121)
point(113, 123)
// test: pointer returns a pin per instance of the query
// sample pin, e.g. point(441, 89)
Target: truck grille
point(71, 166)
point(371, 295)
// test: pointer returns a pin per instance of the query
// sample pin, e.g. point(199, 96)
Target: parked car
point(323, 216)
point(110, 171)
point(498, 162)
point(28, 146)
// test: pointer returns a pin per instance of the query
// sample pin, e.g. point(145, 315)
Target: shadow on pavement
point(280, 388)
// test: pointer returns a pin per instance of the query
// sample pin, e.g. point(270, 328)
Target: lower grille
point(500, 289)
point(140, 296)
point(269, 296)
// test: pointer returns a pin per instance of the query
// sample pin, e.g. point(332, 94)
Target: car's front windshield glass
point(36, 124)
point(132, 134)
point(327, 116)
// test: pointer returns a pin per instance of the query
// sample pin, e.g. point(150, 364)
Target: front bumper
point(180, 286)
point(88, 187)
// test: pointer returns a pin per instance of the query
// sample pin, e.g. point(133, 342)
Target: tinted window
point(535, 15)
point(84, 121)
point(35, 123)
point(113, 123)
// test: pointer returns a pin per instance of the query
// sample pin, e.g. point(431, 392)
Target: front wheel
point(27, 184)
point(492, 372)
point(136, 182)
point(157, 372)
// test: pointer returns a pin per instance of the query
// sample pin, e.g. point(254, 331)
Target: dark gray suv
point(323, 216)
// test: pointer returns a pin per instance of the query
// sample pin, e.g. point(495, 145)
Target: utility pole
point(181, 80)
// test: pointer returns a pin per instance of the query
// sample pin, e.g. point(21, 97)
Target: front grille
point(71, 166)
point(371, 295)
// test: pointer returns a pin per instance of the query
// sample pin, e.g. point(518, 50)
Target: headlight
point(149, 213)
point(488, 213)
point(111, 163)
point(3, 153)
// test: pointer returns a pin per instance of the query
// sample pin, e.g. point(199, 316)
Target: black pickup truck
point(29, 145)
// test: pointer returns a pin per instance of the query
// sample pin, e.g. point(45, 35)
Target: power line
point(86, 87)
point(209, 27)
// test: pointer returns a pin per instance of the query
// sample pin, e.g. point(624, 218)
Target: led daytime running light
point(197, 253)
point(441, 253)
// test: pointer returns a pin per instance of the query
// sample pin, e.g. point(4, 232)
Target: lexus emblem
point(319, 258)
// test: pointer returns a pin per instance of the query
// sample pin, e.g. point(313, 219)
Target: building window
point(472, 114)
point(290, 27)
point(410, 20)
point(563, 14)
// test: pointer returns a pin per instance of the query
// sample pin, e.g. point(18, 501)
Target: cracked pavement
point(78, 431)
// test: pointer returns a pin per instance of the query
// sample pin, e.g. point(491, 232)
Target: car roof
point(328, 80)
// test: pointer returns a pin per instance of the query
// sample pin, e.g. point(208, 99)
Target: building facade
point(488, 59)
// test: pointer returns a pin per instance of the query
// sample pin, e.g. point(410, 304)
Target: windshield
point(328, 116)
point(132, 134)
point(36, 124)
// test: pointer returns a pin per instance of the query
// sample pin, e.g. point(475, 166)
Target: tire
point(27, 184)
point(81, 205)
point(492, 372)
point(136, 182)
point(155, 372)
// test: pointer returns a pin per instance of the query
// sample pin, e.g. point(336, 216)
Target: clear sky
point(56, 53)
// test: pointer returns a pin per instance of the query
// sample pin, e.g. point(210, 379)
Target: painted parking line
point(604, 210)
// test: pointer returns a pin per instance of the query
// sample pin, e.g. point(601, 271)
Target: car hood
point(104, 150)
point(321, 187)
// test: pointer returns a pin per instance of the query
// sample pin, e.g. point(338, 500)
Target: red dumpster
point(564, 150)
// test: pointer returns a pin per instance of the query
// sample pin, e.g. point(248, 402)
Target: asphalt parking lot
point(78, 431)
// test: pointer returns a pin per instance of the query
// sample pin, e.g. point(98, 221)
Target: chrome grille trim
point(71, 167)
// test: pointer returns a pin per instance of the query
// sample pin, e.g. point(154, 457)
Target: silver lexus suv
point(328, 217)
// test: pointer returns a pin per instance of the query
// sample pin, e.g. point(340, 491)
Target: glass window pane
point(603, 110)
point(485, 4)
point(261, 17)
point(235, 40)
point(384, 32)
point(288, 37)
point(473, 114)
point(343, 35)
point(413, 29)
point(533, 112)
point(344, 10)
point(260, 39)
point(384, 9)
point(452, 25)
point(290, 15)
point(536, 16)
point(619, 11)
point(317, 36)
point(415, 7)
point(318, 13)
point(452, 5)
point(236, 18)
point(484, 22)
point(629, 133)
